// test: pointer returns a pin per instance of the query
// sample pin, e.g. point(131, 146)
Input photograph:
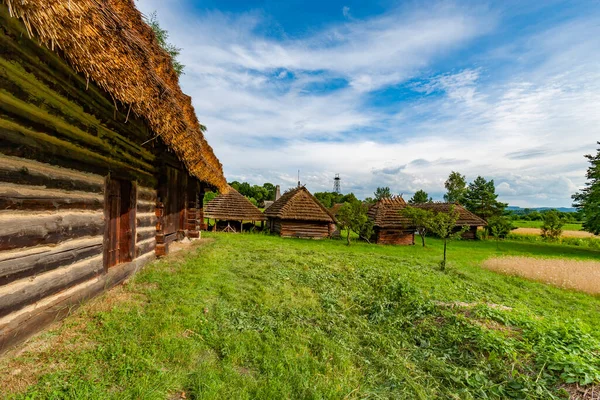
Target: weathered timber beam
point(26, 291)
point(20, 325)
point(18, 140)
point(23, 197)
point(148, 194)
point(145, 206)
point(26, 229)
point(145, 233)
point(29, 172)
point(144, 247)
point(17, 264)
point(145, 219)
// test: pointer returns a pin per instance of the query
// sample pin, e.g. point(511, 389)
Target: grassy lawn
point(538, 224)
point(253, 316)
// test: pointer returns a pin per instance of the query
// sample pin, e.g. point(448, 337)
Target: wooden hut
point(389, 226)
point(102, 160)
point(230, 210)
point(465, 217)
point(297, 213)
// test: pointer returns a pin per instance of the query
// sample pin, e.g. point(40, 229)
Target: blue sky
point(395, 94)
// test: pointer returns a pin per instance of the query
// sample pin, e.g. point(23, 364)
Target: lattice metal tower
point(337, 188)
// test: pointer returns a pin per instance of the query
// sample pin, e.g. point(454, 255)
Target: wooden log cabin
point(230, 210)
point(299, 214)
point(389, 226)
point(102, 160)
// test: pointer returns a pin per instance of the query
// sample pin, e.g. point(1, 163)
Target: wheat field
point(568, 274)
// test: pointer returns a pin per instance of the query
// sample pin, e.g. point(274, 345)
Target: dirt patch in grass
point(564, 273)
point(537, 232)
point(577, 392)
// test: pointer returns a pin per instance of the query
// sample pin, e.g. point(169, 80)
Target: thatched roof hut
point(391, 227)
point(232, 207)
point(298, 213)
point(109, 43)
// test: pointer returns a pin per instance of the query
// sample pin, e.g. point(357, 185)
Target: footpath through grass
point(252, 316)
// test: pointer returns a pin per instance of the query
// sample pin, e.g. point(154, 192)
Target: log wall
point(61, 139)
point(299, 228)
point(394, 236)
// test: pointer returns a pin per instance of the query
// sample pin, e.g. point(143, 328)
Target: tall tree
point(456, 185)
point(162, 37)
point(587, 200)
point(420, 196)
point(480, 199)
point(383, 193)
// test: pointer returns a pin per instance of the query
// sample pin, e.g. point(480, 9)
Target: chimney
point(277, 192)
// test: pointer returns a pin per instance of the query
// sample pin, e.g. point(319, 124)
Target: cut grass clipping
point(258, 317)
point(564, 273)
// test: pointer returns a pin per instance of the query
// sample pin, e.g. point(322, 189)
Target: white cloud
point(526, 124)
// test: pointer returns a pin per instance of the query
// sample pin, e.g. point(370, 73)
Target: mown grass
point(538, 224)
point(253, 316)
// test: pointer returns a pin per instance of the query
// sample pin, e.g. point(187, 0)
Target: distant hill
point(563, 209)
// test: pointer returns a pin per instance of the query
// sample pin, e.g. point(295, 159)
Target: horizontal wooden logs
point(145, 233)
point(28, 172)
point(26, 229)
point(145, 206)
point(26, 291)
point(145, 219)
point(144, 247)
point(17, 264)
point(20, 325)
point(147, 194)
point(39, 198)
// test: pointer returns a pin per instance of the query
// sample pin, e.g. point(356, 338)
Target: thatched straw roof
point(465, 217)
point(299, 204)
point(386, 213)
point(108, 42)
point(232, 206)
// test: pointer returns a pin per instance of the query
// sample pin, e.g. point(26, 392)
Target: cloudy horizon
point(395, 94)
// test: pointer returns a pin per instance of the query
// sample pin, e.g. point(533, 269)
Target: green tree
point(271, 190)
point(382, 193)
point(353, 218)
point(420, 219)
point(456, 186)
point(208, 196)
point(420, 196)
point(480, 199)
point(443, 224)
point(499, 227)
point(587, 201)
point(162, 37)
point(552, 227)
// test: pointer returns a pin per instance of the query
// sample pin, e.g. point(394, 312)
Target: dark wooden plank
point(17, 265)
point(36, 198)
point(20, 231)
point(21, 293)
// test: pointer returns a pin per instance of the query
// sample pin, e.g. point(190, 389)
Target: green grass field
point(258, 317)
point(538, 224)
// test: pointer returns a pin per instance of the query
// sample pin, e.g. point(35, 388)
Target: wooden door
point(120, 227)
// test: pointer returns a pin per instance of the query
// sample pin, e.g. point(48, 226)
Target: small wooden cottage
point(465, 217)
point(230, 210)
point(389, 226)
point(102, 160)
point(297, 213)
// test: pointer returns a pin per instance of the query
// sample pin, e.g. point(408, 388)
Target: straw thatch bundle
point(232, 206)
point(108, 42)
point(299, 204)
